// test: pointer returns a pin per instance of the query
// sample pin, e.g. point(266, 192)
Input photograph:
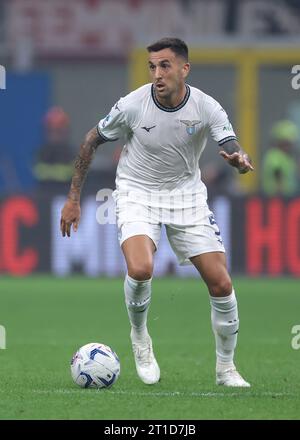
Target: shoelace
point(143, 355)
point(234, 373)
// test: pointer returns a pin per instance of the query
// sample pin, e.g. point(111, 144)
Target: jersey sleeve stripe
point(228, 138)
point(102, 136)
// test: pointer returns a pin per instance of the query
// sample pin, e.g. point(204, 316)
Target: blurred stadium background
point(64, 64)
point(82, 56)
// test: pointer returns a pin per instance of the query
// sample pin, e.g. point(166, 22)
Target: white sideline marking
point(170, 393)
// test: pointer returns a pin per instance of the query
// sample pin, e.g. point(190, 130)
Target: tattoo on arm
point(231, 147)
point(83, 161)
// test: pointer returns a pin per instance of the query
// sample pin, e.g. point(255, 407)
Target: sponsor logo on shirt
point(227, 127)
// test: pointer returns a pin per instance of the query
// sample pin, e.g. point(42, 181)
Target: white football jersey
point(163, 145)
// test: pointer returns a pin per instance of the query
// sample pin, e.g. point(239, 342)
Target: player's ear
point(186, 69)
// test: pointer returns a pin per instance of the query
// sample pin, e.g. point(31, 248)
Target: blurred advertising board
point(80, 28)
point(262, 237)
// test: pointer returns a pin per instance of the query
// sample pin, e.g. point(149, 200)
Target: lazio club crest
point(190, 125)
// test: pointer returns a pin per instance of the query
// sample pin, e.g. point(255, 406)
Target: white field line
point(183, 394)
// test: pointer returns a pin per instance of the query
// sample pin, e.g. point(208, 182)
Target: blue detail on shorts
point(95, 351)
point(212, 220)
point(89, 379)
point(119, 234)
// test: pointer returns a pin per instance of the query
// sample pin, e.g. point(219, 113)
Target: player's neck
point(174, 99)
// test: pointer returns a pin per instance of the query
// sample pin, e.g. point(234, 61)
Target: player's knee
point(141, 271)
point(223, 287)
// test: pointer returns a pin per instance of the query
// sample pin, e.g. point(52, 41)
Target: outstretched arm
point(71, 211)
point(236, 157)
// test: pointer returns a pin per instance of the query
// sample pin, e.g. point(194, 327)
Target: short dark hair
point(177, 46)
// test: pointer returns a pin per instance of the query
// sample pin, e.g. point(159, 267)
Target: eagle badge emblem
point(190, 125)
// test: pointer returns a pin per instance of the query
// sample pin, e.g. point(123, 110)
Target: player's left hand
point(241, 161)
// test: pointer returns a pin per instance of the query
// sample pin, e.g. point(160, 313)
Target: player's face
point(168, 72)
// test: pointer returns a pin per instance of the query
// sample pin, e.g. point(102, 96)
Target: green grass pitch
point(47, 319)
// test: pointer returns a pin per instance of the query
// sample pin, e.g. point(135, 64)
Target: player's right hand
point(70, 215)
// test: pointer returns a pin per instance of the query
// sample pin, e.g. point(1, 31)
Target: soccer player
point(166, 124)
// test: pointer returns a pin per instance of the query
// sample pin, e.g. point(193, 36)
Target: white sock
point(225, 324)
point(137, 298)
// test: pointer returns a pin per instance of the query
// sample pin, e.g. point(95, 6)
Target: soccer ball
point(95, 366)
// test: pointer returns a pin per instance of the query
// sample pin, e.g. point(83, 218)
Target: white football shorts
point(186, 240)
